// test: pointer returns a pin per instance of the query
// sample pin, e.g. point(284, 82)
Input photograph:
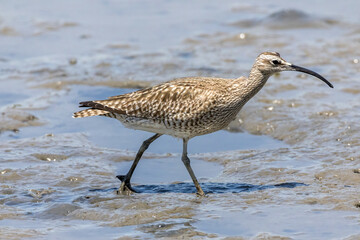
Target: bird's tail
point(92, 111)
point(97, 108)
point(89, 112)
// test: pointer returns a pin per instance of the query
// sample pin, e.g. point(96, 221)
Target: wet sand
point(287, 168)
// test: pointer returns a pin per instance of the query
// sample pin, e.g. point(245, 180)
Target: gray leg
point(186, 162)
point(125, 187)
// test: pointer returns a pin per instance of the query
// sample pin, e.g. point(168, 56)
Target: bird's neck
point(255, 81)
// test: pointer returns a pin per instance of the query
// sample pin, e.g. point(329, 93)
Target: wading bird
point(187, 107)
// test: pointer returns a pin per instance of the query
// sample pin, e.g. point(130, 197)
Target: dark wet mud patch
point(287, 19)
point(208, 187)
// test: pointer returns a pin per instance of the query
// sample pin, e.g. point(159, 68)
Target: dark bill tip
point(304, 70)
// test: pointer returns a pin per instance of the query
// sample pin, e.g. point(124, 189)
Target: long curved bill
point(304, 70)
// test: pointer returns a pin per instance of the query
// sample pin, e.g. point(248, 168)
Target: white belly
point(155, 127)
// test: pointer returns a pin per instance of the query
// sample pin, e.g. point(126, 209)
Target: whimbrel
point(187, 107)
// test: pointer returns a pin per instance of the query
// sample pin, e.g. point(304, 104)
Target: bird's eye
point(275, 62)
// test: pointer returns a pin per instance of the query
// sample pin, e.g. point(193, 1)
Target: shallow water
point(287, 168)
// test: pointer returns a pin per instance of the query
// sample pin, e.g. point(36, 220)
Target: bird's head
point(269, 63)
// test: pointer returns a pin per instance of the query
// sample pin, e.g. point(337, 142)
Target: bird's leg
point(186, 162)
point(125, 187)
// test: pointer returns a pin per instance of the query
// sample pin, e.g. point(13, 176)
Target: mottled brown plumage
point(188, 107)
point(183, 108)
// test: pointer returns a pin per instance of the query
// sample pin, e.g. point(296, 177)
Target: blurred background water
point(287, 168)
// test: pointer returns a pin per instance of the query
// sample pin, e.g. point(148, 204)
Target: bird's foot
point(200, 193)
point(125, 187)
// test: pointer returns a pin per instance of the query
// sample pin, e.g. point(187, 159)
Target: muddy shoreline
point(287, 168)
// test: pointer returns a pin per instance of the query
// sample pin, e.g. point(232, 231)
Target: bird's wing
point(175, 99)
